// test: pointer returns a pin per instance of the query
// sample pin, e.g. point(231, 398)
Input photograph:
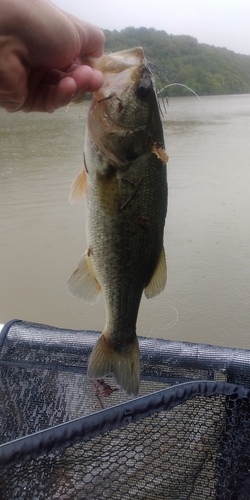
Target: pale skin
point(44, 56)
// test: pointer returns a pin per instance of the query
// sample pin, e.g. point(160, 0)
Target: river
point(207, 236)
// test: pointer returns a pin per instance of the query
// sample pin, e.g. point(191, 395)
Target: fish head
point(124, 117)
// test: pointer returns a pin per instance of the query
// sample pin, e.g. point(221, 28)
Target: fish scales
point(126, 199)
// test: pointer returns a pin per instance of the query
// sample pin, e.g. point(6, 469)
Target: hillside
point(206, 69)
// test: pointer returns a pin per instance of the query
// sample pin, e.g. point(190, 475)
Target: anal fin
point(83, 283)
point(159, 278)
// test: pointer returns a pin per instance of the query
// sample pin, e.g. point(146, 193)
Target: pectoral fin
point(83, 283)
point(78, 188)
point(159, 278)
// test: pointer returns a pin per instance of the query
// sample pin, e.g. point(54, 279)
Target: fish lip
point(119, 68)
point(118, 61)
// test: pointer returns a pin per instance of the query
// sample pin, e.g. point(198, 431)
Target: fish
point(124, 183)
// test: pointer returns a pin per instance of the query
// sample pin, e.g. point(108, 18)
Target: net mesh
point(186, 437)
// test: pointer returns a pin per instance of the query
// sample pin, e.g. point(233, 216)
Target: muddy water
point(207, 235)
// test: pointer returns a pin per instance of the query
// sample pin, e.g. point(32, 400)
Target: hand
point(42, 54)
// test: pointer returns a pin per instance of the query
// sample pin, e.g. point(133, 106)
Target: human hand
point(42, 55)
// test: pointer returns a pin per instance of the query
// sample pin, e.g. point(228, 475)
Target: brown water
point(207, 235)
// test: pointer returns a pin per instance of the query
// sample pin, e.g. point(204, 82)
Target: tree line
point(208, 70)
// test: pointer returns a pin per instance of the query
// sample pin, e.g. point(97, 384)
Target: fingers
point(87, 79)
point(42, 59)
point(83, 79)
point(51, 95)
point(13, 77)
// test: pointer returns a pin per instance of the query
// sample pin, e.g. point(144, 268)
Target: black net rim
point(96, 424)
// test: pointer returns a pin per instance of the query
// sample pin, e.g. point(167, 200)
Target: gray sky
point(223, 23)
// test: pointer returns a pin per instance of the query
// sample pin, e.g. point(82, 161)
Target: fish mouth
point(119, 115)
point(119, 69)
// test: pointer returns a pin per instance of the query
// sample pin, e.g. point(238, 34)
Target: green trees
point(204, 68)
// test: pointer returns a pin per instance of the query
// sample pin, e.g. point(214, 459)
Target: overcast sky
point(223, 23)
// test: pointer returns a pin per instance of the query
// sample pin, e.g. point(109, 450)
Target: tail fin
point(125, 367)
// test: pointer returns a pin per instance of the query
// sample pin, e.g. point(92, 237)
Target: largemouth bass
point(124, 180)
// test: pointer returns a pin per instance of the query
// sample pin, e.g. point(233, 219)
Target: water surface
point(207, 236)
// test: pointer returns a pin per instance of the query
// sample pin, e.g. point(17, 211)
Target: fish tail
point(125, 366)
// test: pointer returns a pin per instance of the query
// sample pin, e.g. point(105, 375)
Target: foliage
point(206, 69)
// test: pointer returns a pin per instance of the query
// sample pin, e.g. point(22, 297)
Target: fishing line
point(166, 327)
point(192, 155)
point(181, 85)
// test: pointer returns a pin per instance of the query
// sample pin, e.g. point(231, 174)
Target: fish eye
point(143, 90)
